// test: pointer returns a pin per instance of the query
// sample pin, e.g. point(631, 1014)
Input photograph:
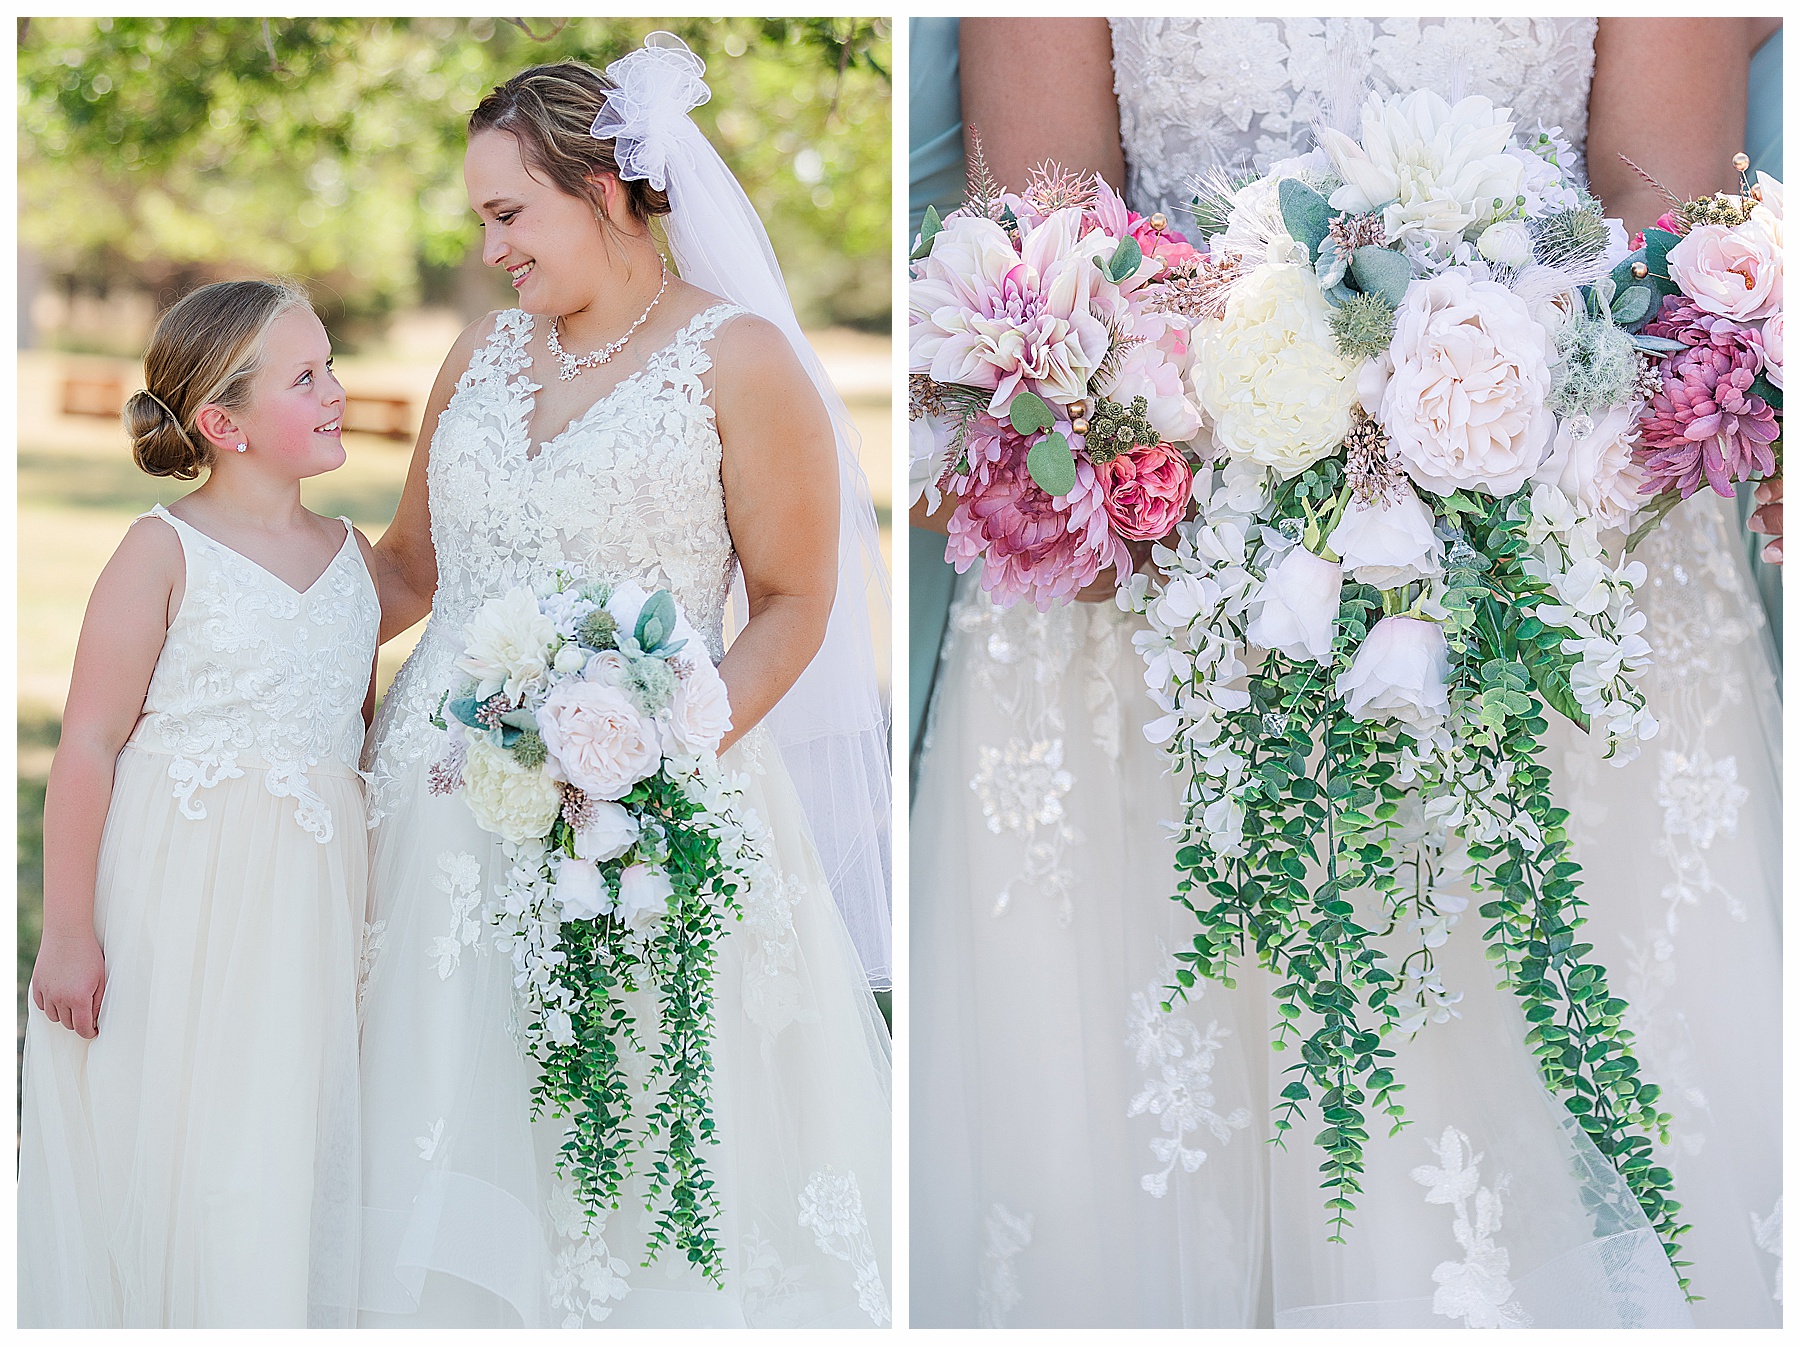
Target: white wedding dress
point(1081, 1158)
point(466, 1221)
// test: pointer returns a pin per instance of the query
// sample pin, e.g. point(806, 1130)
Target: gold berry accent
point(1639, 270)
point(1740, 161)
point(1160, 221)
point(1079, 426)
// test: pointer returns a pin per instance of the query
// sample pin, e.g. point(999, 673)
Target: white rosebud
point(643, 896)
point(1401, 672)
point(610, 831)
point(569, 659)
point(580, 891)
point(1507, 243)
point(1388, 544)
point(1296, 609)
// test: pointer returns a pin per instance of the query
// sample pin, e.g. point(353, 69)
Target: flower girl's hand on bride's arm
point(780, 473)
point(405, 569)
point(121, 637)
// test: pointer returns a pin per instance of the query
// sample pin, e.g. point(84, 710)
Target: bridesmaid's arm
point(1037, 89)
point(368, 710)
point(405, 564)
point(780, 474)
point(121, 637)
point(1670, 95)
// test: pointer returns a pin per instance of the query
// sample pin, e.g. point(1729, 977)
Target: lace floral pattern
point(1476, 1290)
point(374, 936)
point(253, 672)
point(585, 1278)
point(766, 1279)
point(1004, 1236)
point(1020, 781)
point(459, 880)
point(1195, 93)
point(831, 1207)
point(1180, 1088)
point(1767, 1232)
point(630, 488)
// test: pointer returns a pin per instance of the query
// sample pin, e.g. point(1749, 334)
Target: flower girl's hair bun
point(205, 351)
point(550, 111)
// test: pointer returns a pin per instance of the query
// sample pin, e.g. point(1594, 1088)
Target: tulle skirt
point(1080, 1158)
point(468, 1223)
point(194, 1165)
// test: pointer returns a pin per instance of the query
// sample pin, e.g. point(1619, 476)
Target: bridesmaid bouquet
point(1432, 387)
point(1713, 417)
point(1048, 351)
point(585, 737)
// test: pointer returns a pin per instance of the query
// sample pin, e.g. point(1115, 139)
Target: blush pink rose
point(1733, 272)
point(597, 739)
point(1146, 490)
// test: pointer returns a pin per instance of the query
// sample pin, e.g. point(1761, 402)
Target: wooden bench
point(93, 394)
point(370, 414)
point(86, 393)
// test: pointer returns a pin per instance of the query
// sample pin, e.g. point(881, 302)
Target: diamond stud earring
point(242, 448)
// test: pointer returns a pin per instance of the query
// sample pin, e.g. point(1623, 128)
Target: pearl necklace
point(568, 366)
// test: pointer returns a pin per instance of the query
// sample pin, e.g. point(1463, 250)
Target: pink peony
point(1146, 490)
point(1030, 543)
point(1705, 426)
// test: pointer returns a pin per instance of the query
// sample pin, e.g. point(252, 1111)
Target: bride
point(1081, 1157)
point(628, 423)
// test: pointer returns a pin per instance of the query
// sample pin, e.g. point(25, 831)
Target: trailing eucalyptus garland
point(1314, 839)
point(586, 741)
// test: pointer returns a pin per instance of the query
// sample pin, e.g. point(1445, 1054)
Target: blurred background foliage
point(159, 153)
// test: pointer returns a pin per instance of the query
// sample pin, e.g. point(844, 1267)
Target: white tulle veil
point(831, 726)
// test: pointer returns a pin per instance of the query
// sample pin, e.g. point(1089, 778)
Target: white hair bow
point(646, 116)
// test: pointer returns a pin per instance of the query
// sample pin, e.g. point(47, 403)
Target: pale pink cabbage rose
point(597, 739)
point(700, 714)
point(1464, 406)
point(1146, 490)
point(1591, 462)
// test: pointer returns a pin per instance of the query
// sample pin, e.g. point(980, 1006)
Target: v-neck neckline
point(535, 451)
point(162, 512)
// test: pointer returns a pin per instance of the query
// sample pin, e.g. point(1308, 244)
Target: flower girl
point(189, 1129)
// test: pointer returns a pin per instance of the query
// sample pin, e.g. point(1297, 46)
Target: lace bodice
point(254, 674)
point(1195, 93)
point(630, 489)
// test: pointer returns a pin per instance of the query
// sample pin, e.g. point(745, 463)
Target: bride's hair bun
point(205, 351)
point(550, 110)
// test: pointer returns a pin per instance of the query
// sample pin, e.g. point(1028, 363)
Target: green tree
point(162, 151)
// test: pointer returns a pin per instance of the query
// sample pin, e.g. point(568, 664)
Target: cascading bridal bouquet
point(1048, 349)
point(585, 738)
point(1423, 395)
